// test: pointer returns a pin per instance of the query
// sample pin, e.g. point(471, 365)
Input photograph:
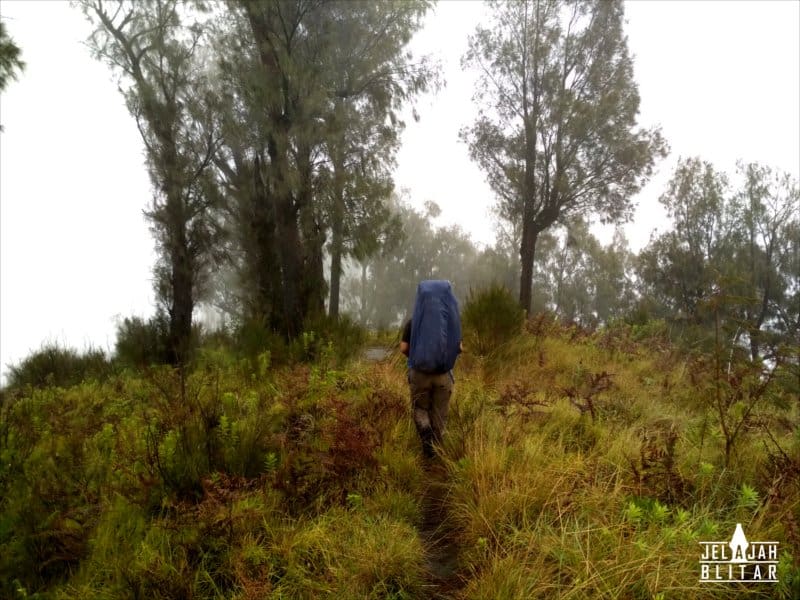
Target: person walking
point(432, 342)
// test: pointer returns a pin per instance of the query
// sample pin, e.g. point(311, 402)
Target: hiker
point(432, 341)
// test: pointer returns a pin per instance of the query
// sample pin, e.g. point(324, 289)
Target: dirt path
point(375, 353)
point(437, 533)
point(439, 538)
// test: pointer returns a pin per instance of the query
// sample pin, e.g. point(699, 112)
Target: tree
point(764, 213)
point(612, 272)
point(570, 266)
point(371, 78)
point(283, 40)
point(155, 54)
point(382, 290)
point(249, 286)
point(10, 61)
point(582, 280)
point(680, 268)
point(556, 132)
point(314, 89)
point(731, 258)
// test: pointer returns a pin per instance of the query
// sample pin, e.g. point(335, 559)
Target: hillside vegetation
point(577, 464)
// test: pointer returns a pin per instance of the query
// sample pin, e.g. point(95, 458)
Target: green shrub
point(142, 343)
point(254, 339)
point(327, 338)
point(57, 366)
point(491, 317)
point(46, 492)
point(323, 338)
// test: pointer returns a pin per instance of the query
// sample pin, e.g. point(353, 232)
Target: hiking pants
point(430, 398)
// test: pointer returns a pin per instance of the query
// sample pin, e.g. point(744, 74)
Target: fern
point(748, 497)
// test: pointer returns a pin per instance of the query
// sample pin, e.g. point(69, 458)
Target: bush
point(323, 338)
point(254, 338)
point(345, 335)
point(56, 366)
point(142, 343)
point(491, 317)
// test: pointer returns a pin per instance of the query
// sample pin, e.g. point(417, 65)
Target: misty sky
point(722, 79)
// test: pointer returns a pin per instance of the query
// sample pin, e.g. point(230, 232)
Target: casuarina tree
point(557, 131)
point(315, 90)
point(154, 52)
point(731, 257)
point(10, 61)
point(371, 78)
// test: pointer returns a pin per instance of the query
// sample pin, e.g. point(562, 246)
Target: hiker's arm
point(405, 338)
point(460, 346)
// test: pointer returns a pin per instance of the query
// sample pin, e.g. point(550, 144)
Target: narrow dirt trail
point(439, 537)
point(436, 530)
point(375, 353)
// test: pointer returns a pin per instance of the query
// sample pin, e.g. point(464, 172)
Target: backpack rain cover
point(435, 328)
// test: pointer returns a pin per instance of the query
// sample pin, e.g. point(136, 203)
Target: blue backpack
point(435, 328)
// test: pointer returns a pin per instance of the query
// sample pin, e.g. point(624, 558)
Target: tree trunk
point(364, 316)
point(290, 250)
point(289, 243)
point(181, 279)
point(527, 252)
point(313, 288)
point(180, 312)
point(267, 307)
point(312, 297)
point(181, 260)
point(530, 116)
point(337, 236)
point(336, 271)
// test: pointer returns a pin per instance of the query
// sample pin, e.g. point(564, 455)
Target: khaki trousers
point(430, 399)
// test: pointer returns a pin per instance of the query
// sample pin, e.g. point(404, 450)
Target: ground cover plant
point(577, 464)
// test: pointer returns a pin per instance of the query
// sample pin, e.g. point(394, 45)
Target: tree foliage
point(380, 290)
point(11, 63)
point(583, 281)
point(270, 129)
point(557, 133)
point(154, 49)
point(679, 267)
point(371, 78)
point(323, 84)
point(731, 257)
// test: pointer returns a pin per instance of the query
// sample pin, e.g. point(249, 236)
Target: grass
point(242, 481)
point(554, 503)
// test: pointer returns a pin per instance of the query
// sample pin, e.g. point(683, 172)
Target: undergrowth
point(578, 465)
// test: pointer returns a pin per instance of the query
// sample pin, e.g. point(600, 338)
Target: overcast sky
point(722, 79)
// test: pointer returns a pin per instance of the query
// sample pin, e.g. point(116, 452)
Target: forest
point(613, 410)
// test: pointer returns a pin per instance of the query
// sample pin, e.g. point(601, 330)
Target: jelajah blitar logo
point(739, 561)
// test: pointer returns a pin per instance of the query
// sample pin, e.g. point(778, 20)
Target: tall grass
point(554, 501)
point(575, 465)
